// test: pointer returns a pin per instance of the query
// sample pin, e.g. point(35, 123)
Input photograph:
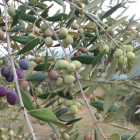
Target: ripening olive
point(77, 64)
point(121, 60)
point(69, 79)
point(129, 48)
point(130, 55)
point(43, 27)
point(68, 40)
point(32, 34)
point(36, 30)
point(62, 64)
point(68, 103)
point(118, 53)
point(88, 136)
point(48, 32)
point(38, 91)
point(75, 26)
point(59, 82)
point(73, 109)
point(48, 41)
point(63, 31)
point(84, 50)
point(111, 32)
point(106, 47)
point(41, 122)
point(34, 120)
point(37, 60)
point(77, 104)
point(71, 67)
point(66, 136)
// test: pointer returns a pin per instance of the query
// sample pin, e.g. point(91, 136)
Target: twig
point(93, 116)
point(15, 75)
point(92, 20)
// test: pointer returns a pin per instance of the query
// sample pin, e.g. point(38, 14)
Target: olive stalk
point(14, 72)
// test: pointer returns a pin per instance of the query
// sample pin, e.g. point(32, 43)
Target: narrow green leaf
point(111, 11)
point(94, 73)
point(37, 77)
point(45, 95)
point(29, 46)
point(74, 33)
point(60, 125)
point(134, 68)
point(93, 16)
point(71, 14)
point(57, 17)
point(124, 91)
point(133, 36)
point(60, 2)
point(86, 59)
point(18, 27)
point(86, 71)
point(90, 89)
point(121, 127)
point(67, 117)
point(69, 129)
point(84, 84)
point(53, 128)
point(112, 68)
point(99, 105)
point(118, 22)
point(16, 18)
point(95, 134)
point(23, 9)
point(98, 58)
point(104, 89)
point(50, 103)
point(94, 46)
point(61, 112)
point(92, 4)
point(19, 14)
point(109, 99)
point(40, 67)
point(22, 23)
point(110, 117)
point(132, 137)
point(31, 18)
point(126, 136)
point(73, 121)
point(26, 100)
point(43, 114)
point(20, 129)
point(22, 39)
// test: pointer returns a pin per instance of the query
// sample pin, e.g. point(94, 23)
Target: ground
point(83, 126)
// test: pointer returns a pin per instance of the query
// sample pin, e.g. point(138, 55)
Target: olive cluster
point(66, 71)
point(67, 39)
point(73, 106)
point(11, 134)
point(129, 56)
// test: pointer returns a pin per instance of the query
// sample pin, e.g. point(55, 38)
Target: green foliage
point(107, 56)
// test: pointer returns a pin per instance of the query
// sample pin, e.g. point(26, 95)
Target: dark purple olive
point(20, 73)
point(12, 98)
point(3, 91)
point(5, 71)
point(10, 77)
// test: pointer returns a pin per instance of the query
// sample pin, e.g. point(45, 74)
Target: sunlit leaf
point(109, 99)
